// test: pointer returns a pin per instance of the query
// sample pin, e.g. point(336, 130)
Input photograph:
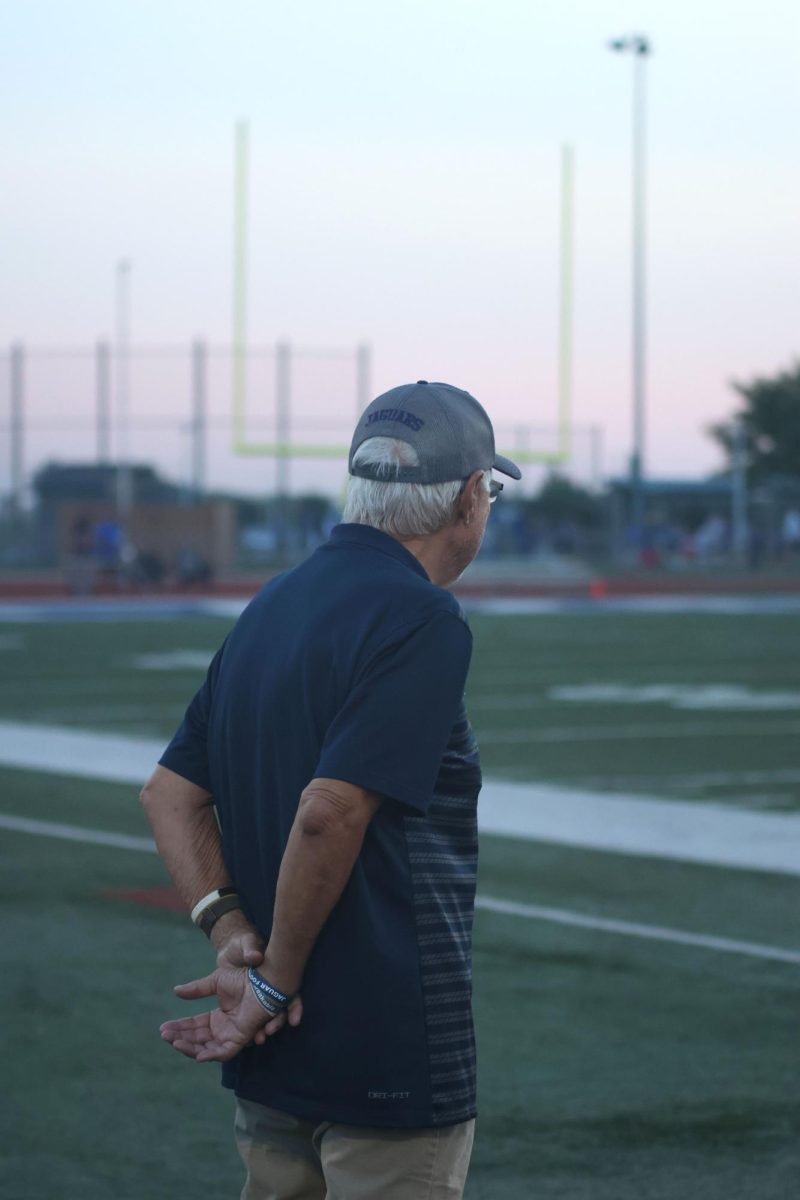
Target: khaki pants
point(288, 1158)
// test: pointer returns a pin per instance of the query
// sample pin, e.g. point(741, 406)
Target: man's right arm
point(324, 843)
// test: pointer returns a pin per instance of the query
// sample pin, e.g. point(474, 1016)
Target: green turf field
point(611, 1068)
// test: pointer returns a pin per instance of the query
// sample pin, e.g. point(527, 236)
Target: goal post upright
point(566, 272)
point(566, 299)
point(281, 448)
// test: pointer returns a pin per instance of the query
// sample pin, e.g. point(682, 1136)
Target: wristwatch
point(222, 901)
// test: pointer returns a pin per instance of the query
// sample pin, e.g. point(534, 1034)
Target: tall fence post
point(596, 454)
point(283, 402)
point(363, 377)
point(199, 394)
point(17, 428)
point(102, 384)
point(739, 505)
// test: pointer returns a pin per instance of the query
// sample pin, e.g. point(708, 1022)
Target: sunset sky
point(404, 191)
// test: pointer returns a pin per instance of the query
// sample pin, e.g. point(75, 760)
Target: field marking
point(716, 605)
point(619, 823)
point(693, 697)
point(132, 608)
point(701, 779)
point(478, 702)
point(531, 912)
point(654, 729)
point(653, 933)
point(76, 833)
point(56, 750)
point(174, 660)
point(128, 608)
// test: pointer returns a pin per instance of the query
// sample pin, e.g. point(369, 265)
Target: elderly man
point(331, 741)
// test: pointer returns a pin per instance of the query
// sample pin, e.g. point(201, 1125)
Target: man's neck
point(437, 555)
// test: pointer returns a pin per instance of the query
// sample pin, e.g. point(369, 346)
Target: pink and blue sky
point(404, 190)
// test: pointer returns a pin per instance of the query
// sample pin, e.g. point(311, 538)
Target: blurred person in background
point(81, 566)
point(710, 539)
point(790, 533)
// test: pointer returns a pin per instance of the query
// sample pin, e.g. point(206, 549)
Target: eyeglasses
point(495, 488)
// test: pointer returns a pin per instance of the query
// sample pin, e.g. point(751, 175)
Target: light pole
point(639, 46)
point(122, 315)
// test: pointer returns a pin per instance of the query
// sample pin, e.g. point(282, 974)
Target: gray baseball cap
point(448, 428)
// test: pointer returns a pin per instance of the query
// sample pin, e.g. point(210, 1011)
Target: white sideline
point(623, 824)
point(76, 833)
point(633, 824)
point(531, 912)
point(653, 933)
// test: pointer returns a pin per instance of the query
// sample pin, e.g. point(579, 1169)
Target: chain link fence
point(177, 410)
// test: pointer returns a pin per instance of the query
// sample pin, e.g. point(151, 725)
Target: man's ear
point(470, 498)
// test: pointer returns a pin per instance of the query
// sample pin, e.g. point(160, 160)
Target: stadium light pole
point(122, 305)
point(239, 338)
point(640, 47)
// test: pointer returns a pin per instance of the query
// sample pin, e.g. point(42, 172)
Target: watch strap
point(212, 912)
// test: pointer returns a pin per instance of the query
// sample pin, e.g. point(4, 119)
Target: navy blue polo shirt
point(352, 666)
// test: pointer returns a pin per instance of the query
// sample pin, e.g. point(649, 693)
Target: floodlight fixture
point(636, 43)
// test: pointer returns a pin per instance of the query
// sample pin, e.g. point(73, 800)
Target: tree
point(771, 421)
point(561, 500)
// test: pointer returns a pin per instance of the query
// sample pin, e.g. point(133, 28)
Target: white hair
point(405, 510)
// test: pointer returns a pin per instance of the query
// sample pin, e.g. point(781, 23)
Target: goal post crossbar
point(319, 450)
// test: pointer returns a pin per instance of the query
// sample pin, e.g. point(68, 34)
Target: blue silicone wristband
point(266, 989)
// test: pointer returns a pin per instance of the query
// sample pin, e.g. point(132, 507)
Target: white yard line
point(632, 732)
point(173, 660)
point(170, 607)
point(76, 833)
point(702, 779)
point(623, 824)
point(653, 933)
point(86, 754)
point(679, 830)
point(531, 912)
point(724, 606)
